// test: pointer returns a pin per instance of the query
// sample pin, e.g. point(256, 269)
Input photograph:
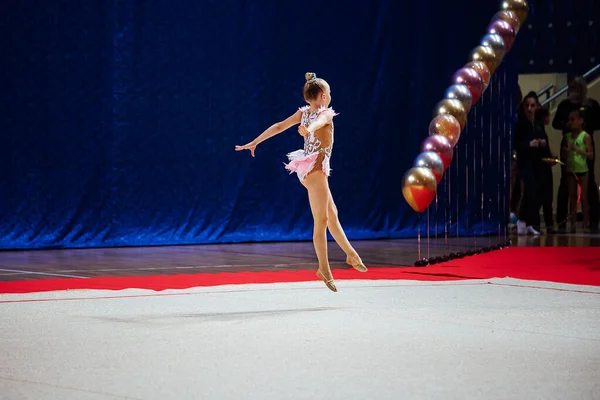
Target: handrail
point(545, 90)
point(564, 89)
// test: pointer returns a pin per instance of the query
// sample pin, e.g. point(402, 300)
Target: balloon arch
point(419, 185)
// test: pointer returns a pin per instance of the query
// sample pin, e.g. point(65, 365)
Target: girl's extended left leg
point(336, 230)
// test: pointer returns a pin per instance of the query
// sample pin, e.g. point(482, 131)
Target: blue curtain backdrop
point(119, 119)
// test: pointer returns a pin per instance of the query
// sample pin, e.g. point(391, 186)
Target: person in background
point(577, 151)
point(529, 159)
point(545, 178)
point(577, 98)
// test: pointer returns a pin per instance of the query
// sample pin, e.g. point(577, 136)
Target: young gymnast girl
point(311, 164)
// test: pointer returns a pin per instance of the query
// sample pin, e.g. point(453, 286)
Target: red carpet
point(572, 265)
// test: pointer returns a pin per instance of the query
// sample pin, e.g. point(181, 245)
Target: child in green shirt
point(579, 149)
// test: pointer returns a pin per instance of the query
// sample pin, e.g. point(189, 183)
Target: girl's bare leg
point(585, 205)
point(572, 185)
point(318, 196)
point(336, 230)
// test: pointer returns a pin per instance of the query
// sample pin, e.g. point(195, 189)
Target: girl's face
point(575, 121)
point(530, 107)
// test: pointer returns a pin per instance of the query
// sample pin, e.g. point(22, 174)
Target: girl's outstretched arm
point(273, 130)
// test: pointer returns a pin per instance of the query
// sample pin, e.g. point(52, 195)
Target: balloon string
point(500, 212)
point(448, 210)
point(474, 185)
point(419, 238)
point(498, 163)
point(457, 198)
point(437, 245)
point(501, 163)
point(467, 222)
point(481, 175)
point(490, 207)
point(502, 83)
point(428, 239)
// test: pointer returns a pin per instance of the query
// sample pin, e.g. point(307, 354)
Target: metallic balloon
point(483, 71)
point(454, 108)
point(470, 78)
point(486, 56)
point(496, 43)
point(461, 93)
point(447, 126)
point(505, 31)
point(510, 17)
point(519, 7)
point(419, 187)
point(440, 145)
point(433, 161)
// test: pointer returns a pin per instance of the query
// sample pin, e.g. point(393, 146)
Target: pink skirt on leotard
point(302, 164)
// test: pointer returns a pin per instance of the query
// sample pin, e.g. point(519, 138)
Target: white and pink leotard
point(317, 147)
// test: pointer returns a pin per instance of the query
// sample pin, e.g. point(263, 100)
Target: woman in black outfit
point(529, 146)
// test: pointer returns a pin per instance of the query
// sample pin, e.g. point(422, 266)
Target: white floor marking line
point(42, 273)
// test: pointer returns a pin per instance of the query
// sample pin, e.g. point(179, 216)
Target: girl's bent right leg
point(318, 196)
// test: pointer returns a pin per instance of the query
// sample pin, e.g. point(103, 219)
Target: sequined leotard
point(316, 153)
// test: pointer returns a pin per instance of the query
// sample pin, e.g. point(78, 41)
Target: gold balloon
point(452, 107)
point(510, 17)
point(487, 56)
point(447, 126)
point(519, 7)
point(483, 71)
point(419, 187)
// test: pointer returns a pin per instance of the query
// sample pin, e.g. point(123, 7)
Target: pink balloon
point(471, 79)
point(441, 145)
point(483, 71)
point(504, 30)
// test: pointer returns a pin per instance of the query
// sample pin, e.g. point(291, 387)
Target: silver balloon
point(432, 161)
point(496, 43)
point(461, 93)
